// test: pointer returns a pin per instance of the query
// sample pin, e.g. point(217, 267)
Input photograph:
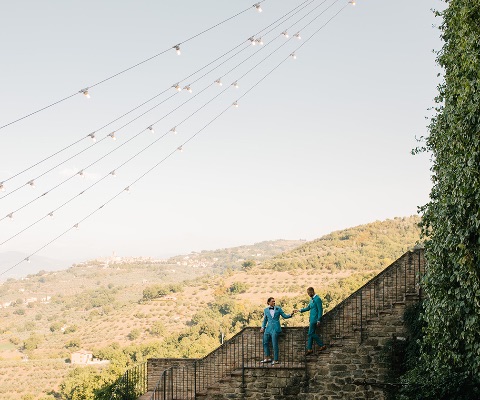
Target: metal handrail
point(131, 384)
point(347, 319)
point(243, 350)
point(392, 285)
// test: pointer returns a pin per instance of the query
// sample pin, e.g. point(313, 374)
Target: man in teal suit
point(316, 311)
point(271, 329)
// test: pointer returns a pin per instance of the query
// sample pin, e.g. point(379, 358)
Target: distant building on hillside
point(85, 357)
point(81, 357)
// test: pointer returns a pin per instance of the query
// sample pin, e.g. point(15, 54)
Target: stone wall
point(355, 331)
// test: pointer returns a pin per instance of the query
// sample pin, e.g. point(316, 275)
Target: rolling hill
point(193, 300)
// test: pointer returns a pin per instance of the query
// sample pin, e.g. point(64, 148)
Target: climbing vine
point(451, 219)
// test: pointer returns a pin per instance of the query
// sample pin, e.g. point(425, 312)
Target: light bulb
point(257, 6)
point(188, 89)
point(113, 173)
point(259, 41)
point(10, 215)
point(294, 56)
point(127, 189)
point(50, 214)
point(219, 82)
point(235, 84)
point(31, 183)
point(2, 187)
point(177, 48)
point(252, 40)
point(235, 104)
point(92, 136)
point(177, 87)
point(180, 148)
point(174, 130)
point(352, 3)
point(112, 135)
point(75, 226)
point(297, 35)
point(150, 128)
point(285, 33)
point(27, 259)
point(85, 93)
point(81, 174)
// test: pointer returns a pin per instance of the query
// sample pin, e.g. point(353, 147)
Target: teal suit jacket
point(272, 324)
point(316, 309)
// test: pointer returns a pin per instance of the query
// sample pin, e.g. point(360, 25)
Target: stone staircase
point(355, 331)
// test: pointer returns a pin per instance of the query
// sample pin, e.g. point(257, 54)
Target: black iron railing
point(348, 319)
point(132, 384)
point(379, 295)
point(244, 350)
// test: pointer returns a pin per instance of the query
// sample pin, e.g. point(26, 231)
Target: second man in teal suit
point(316, 311)
point(271, 329)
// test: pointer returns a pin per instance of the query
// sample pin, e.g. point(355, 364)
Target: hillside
point(372, 246)
point(102, 305)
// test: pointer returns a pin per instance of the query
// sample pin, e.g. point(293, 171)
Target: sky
point(318, 143)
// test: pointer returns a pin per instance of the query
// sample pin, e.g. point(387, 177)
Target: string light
point(113, 173)
point(188, 89)
point(150, 128)
point(293, 55)
point(81, 174)
point(180, 148)
point(285, 33)
point(27, 259)
point(259, 41)
point(85, 93)
point(219, 82)
point(31, 183)
point(92, 135)
point(75, 226)
point(235, 85)
point(174, 130)
point(2, 187)
point(352, 2)
point(127, 189)
point(112, 135)
point(177, 87)
point(50, 214)
point(252, 40)
point(297, 35)
point(257, 6)
point(10, 215)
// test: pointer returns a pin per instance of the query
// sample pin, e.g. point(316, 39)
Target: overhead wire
point(10, 215)
point(129, 68)
point(304, 4)
point(118, 129)
point(178, 148)
point(191, 98)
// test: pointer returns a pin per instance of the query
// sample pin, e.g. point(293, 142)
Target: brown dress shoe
point(323, 348)
point(309, 352)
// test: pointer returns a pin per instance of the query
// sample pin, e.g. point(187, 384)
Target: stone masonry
point(355, 331)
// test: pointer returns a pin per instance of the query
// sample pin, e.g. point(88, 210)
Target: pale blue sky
point(323, 143)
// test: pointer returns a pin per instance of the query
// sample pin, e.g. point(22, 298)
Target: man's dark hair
point(311, 289)
point(270, 298)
